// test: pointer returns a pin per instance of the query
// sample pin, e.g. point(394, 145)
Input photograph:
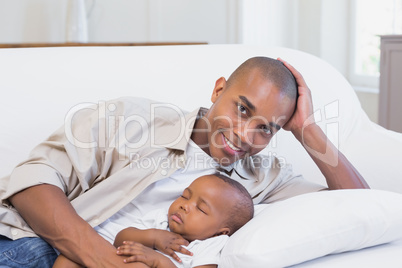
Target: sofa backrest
point(40, 85)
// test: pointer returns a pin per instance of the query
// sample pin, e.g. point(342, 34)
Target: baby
point(196, 228)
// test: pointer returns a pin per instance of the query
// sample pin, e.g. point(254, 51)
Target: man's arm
point(50, 214)
point(63, 262)
point(338, 171)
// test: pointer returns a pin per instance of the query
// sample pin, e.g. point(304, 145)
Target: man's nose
point(244, 133)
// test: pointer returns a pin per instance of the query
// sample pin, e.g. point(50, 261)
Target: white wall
point(314, 26)
point(212, 21)
point(183, 20)
point(31, 21)
point(319, 27)
point(309, 25)
point(163, 21)
point(324, 31)
point(269, 22)
point(118, 21)
point(334, 34)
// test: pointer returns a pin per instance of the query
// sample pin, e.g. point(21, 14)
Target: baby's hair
point(273, 70)
point(243, 210)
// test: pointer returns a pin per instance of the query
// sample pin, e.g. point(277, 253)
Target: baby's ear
point(223, 231)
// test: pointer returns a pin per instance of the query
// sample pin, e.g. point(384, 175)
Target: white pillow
point(312, 225)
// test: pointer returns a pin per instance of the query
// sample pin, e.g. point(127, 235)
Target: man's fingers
point(299, 78)
point(290, 67)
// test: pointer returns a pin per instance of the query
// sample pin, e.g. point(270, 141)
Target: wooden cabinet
point(390, 110)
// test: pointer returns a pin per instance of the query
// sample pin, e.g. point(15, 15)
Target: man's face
point(244, 117)
point(201, 211)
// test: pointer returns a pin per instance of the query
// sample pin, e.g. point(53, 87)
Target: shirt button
point(96, 221)
point(164, 172)
point(14, 232)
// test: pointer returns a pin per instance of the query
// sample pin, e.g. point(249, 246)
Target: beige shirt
point(105, 155)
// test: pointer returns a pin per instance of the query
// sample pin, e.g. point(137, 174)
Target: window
point(371, 18)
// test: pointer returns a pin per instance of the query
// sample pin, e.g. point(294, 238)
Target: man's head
point(212, 205)
point(272, 70)
point(248, 109)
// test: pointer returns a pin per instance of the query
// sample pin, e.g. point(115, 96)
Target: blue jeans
point(26, 252)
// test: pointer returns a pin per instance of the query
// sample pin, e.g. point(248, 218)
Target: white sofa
point(40, 85)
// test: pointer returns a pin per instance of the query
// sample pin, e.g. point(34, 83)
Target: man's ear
point(220, 86)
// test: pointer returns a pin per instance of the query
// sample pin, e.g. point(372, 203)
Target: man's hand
point(336, 168)
point(304, 114)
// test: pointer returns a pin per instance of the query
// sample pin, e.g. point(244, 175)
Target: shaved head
point(272, 70)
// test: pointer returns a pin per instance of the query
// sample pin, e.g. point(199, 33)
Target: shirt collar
point(182, 126)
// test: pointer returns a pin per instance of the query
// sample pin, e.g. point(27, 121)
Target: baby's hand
point(137, 252)
point(169, 243)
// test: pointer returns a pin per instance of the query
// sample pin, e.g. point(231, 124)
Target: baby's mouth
point(177, 218)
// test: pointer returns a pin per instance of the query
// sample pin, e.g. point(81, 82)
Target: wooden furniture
point(97, 44)
point(390, 109)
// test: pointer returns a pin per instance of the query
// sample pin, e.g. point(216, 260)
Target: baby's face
point(200, 212)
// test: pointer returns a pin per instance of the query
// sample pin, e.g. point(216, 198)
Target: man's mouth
point(231, 145)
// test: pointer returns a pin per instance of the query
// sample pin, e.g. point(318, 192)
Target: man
point(106, 168)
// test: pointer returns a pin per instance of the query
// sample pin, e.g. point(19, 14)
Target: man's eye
point(266, 129)
point(182, 196)
point(242, 109)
